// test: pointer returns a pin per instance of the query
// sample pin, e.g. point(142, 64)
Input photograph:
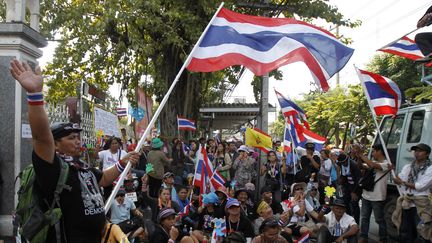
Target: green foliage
point(120, 41)
point(334, 111)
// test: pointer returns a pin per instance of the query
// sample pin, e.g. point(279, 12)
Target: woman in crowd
point(163, 200)
point(272, 172)
point(269, 231)
point(246, 205)
point(244, 167)
point(206, 213)
point(222, 161)
point(165, 230)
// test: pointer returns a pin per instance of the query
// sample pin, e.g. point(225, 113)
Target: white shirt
point(325, 167)
point(423, 185)
point(379, 192)
point(109, 159)
point(345, 223)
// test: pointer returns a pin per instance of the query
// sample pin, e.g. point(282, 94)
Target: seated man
point(120, 214)
point(339, 225)
point(269, 231)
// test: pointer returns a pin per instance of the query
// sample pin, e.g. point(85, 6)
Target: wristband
point(35, 98)
point(121, 163)
point(119, 167)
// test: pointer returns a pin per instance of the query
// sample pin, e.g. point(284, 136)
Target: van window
point(416, 127)
point(391, 131)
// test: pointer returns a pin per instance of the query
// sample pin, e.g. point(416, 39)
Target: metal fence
point(59, 113)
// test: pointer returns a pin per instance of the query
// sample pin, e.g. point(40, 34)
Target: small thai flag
point(185, 124)
point(304, 238)
point(121, 112)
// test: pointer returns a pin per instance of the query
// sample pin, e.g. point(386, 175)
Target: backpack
point(367, 182)
point(33, 221)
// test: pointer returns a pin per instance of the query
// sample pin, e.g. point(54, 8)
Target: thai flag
point(383, 94)
point(185, 149)
point(185, 124)
point(289, 108)
point(303, 239)
point(315, 138)
point(199, 177)
point(404, 47)
point(215, 178)
point(185, 211)
point(121, 112)
point(264, 44)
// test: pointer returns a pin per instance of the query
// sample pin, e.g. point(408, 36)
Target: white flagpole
point(158, 111)
point(376, 124)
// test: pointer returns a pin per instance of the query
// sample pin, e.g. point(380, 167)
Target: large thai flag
point(404, 47)
point(315, 138)
point(185, 124)
point(289, 108)
point(264, 44)
point(383, 94)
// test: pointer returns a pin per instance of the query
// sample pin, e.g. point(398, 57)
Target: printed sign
point(107, 122)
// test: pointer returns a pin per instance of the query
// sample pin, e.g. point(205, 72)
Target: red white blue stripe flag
point(121, 112)
point(289, 108)
point(185, 124)
point(404, 47)
point(264, 44)
point(383, 94)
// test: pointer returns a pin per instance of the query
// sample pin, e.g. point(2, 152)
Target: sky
point(383, 21)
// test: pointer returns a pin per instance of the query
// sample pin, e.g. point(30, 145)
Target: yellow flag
point(257, 138)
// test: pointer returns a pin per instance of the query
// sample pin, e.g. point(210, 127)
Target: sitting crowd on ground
point(316, 197)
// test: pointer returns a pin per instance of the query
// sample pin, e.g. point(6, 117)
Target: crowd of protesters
point(318, 197)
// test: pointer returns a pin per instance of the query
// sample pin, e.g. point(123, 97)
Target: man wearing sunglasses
point(81, 202)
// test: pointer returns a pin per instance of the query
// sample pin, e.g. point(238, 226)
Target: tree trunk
point(345, 135)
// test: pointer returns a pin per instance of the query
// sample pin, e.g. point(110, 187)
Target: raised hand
point(29, 80)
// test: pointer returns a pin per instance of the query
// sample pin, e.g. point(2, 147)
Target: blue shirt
point(121, 212)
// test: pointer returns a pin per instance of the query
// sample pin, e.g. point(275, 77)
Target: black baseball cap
point(63, 129)
point(423, 147)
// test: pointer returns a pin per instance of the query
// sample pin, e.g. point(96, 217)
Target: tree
point(102, 42)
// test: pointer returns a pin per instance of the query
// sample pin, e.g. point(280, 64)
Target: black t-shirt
point(82, 207)
point(244, 226)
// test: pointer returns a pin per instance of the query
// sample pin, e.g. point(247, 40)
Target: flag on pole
point(289, 108)
point(383, 94)
point(263, 44)
point(185, 124)
point(121, 112)
point(315, 138)
point(214, 176)
point(404, 47)
point(258, 139)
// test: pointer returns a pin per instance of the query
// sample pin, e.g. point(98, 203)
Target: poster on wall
point(107, 122)
point(145, 102)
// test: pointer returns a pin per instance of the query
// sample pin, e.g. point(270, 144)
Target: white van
point(412, 125)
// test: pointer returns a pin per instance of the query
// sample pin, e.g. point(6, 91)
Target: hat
point(210, 198)
point(237, 192)
point(156, 143)
point(262, 206)
point(266, 189)
point(232, 202)
point(165, 213)
point(121, 192)
point(423, 147)
point(309, 144)
point(168, 174)
point(243, 148)
point(302, 184)
point(250, 186)
point(342, 157)
point(339, 202)
point(63, 129)
point(223, 190)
